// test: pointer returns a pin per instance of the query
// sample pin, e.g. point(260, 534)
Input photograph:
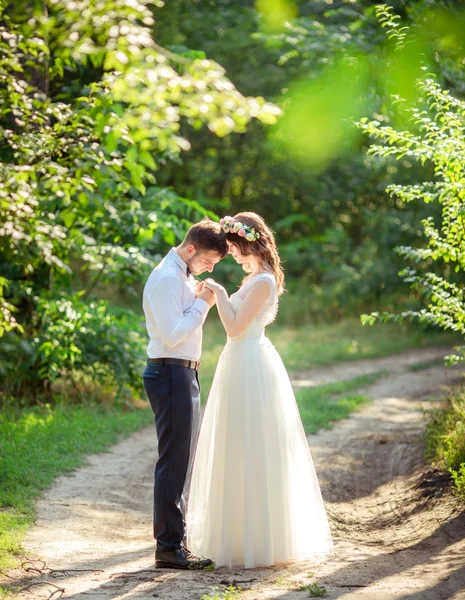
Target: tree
point(78, 166)
point(335, 224)
point(436, 137)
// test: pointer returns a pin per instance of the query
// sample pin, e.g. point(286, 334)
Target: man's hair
point(207, 235)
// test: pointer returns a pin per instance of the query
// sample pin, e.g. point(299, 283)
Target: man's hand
point(206, 294)
point(200, 285)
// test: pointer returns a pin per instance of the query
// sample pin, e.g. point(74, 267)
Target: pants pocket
point(157, 384)
point(151, 372)
point(154, 371)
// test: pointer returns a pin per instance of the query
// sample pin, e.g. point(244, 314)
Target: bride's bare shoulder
point(252, 279)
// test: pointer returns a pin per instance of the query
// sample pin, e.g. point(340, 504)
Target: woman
point(254, 497)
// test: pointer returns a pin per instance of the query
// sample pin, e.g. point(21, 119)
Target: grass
point(38, 444)
point(426, 365)
point(318, 345)
point(321, 406)
point(315, 590)
point(283, 581)
point(288, 584)
point(445, 438)
point(227, 593)
point(323, 344)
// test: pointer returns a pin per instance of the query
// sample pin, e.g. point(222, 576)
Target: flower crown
point(230, 225)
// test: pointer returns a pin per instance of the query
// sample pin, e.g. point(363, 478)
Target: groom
point(175, 309)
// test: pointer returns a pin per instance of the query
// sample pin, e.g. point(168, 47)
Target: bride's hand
point(213, 286)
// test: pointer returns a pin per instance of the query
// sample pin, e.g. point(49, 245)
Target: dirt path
point(395, 537)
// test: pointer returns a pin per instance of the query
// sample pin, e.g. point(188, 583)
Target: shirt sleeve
point(173, 324)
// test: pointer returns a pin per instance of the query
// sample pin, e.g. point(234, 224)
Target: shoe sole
point(165, 565)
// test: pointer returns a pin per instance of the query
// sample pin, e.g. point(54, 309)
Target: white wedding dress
point(254, 496)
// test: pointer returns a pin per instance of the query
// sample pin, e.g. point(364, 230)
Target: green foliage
point(393, 23)
point(434, 137)
point(427, 364)
point(7, 320)
point(459, 480)
point(228, 593)
point(439, 139)
point(90, 109)
point(40, 443)
point(76, 340)
point(6, 593)
point(445, 438)
point(315, 590)
point(284, 581)
point(335, 228)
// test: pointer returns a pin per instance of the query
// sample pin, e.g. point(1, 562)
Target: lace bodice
point(269, 311)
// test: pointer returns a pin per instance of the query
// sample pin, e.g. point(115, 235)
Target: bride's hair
point(264, 248)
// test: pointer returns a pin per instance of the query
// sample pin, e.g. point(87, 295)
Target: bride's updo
point(264, 247)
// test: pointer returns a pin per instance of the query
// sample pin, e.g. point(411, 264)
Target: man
point(175, 309)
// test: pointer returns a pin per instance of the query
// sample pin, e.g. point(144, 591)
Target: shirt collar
point(179, 261)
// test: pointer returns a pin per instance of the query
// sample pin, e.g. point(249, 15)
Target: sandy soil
point(398, 533)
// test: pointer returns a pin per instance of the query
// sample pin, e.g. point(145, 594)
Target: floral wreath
point(230, 225)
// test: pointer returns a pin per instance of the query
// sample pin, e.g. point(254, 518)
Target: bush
point(72, 341)
point(438, 268)
point(445, 438)
point(434, 136)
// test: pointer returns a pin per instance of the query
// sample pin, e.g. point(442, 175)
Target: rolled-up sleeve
point(174, 324)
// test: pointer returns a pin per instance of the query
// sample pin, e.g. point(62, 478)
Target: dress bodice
point(267, 313)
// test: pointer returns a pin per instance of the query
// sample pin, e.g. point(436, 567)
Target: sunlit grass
point(315, 590)
point(6, 593)
point(317, 345)
point(322, 406)
point(41, 443)
point(227, 593)
point(445, 438)
point(322, 344)
point(427, 364)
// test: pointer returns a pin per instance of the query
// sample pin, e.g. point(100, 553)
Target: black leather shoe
point(180, 559)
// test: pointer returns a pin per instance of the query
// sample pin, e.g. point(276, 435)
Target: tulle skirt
point(254, 497)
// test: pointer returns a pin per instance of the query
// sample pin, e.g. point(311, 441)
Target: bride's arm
point(236, 322)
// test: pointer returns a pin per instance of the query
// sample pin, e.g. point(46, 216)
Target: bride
point(254, 497)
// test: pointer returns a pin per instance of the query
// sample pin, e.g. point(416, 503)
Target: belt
point(183, 362)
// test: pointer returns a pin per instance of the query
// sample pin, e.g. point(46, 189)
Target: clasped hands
point(207, 290)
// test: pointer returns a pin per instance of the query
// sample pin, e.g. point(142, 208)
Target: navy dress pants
point(174, 395)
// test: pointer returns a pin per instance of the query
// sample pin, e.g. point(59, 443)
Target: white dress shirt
point(174, 316)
